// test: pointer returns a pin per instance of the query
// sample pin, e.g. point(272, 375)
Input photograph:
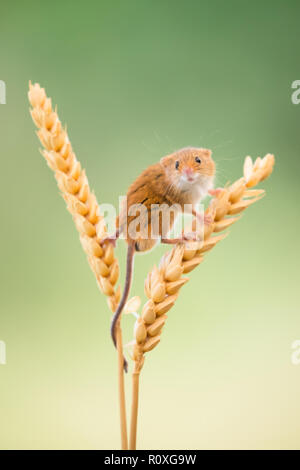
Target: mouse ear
point(165, 161)
point(207, 152)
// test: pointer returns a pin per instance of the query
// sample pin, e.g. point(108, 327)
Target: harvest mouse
point(183, 177)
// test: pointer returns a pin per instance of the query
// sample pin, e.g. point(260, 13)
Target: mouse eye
point(177, 165)
point(197, 159)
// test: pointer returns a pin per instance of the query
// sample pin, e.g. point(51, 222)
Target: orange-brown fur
point(159, 184)
point(184, 177)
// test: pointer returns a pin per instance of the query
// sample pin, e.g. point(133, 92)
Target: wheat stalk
point(163, 283)
point(82, 204)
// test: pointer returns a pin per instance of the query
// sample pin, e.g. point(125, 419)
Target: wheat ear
point(82, 204)
point(163, 283)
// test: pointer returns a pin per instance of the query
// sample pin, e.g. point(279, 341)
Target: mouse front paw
point(215, 192)
point(111, 240)
point(208, 219)
point(191, 237)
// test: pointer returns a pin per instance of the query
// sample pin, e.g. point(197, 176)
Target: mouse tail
point(129, 272)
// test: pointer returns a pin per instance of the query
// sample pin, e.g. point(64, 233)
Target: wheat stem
point(122, 402)
point(134, 407)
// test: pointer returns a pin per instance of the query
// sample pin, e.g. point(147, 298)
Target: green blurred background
point(135, 80)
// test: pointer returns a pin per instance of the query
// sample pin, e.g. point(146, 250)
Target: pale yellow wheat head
point(74, 187)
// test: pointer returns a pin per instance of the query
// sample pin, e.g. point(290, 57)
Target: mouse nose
point(188, 173)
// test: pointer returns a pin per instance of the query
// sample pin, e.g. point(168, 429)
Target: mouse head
point(189, 166)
